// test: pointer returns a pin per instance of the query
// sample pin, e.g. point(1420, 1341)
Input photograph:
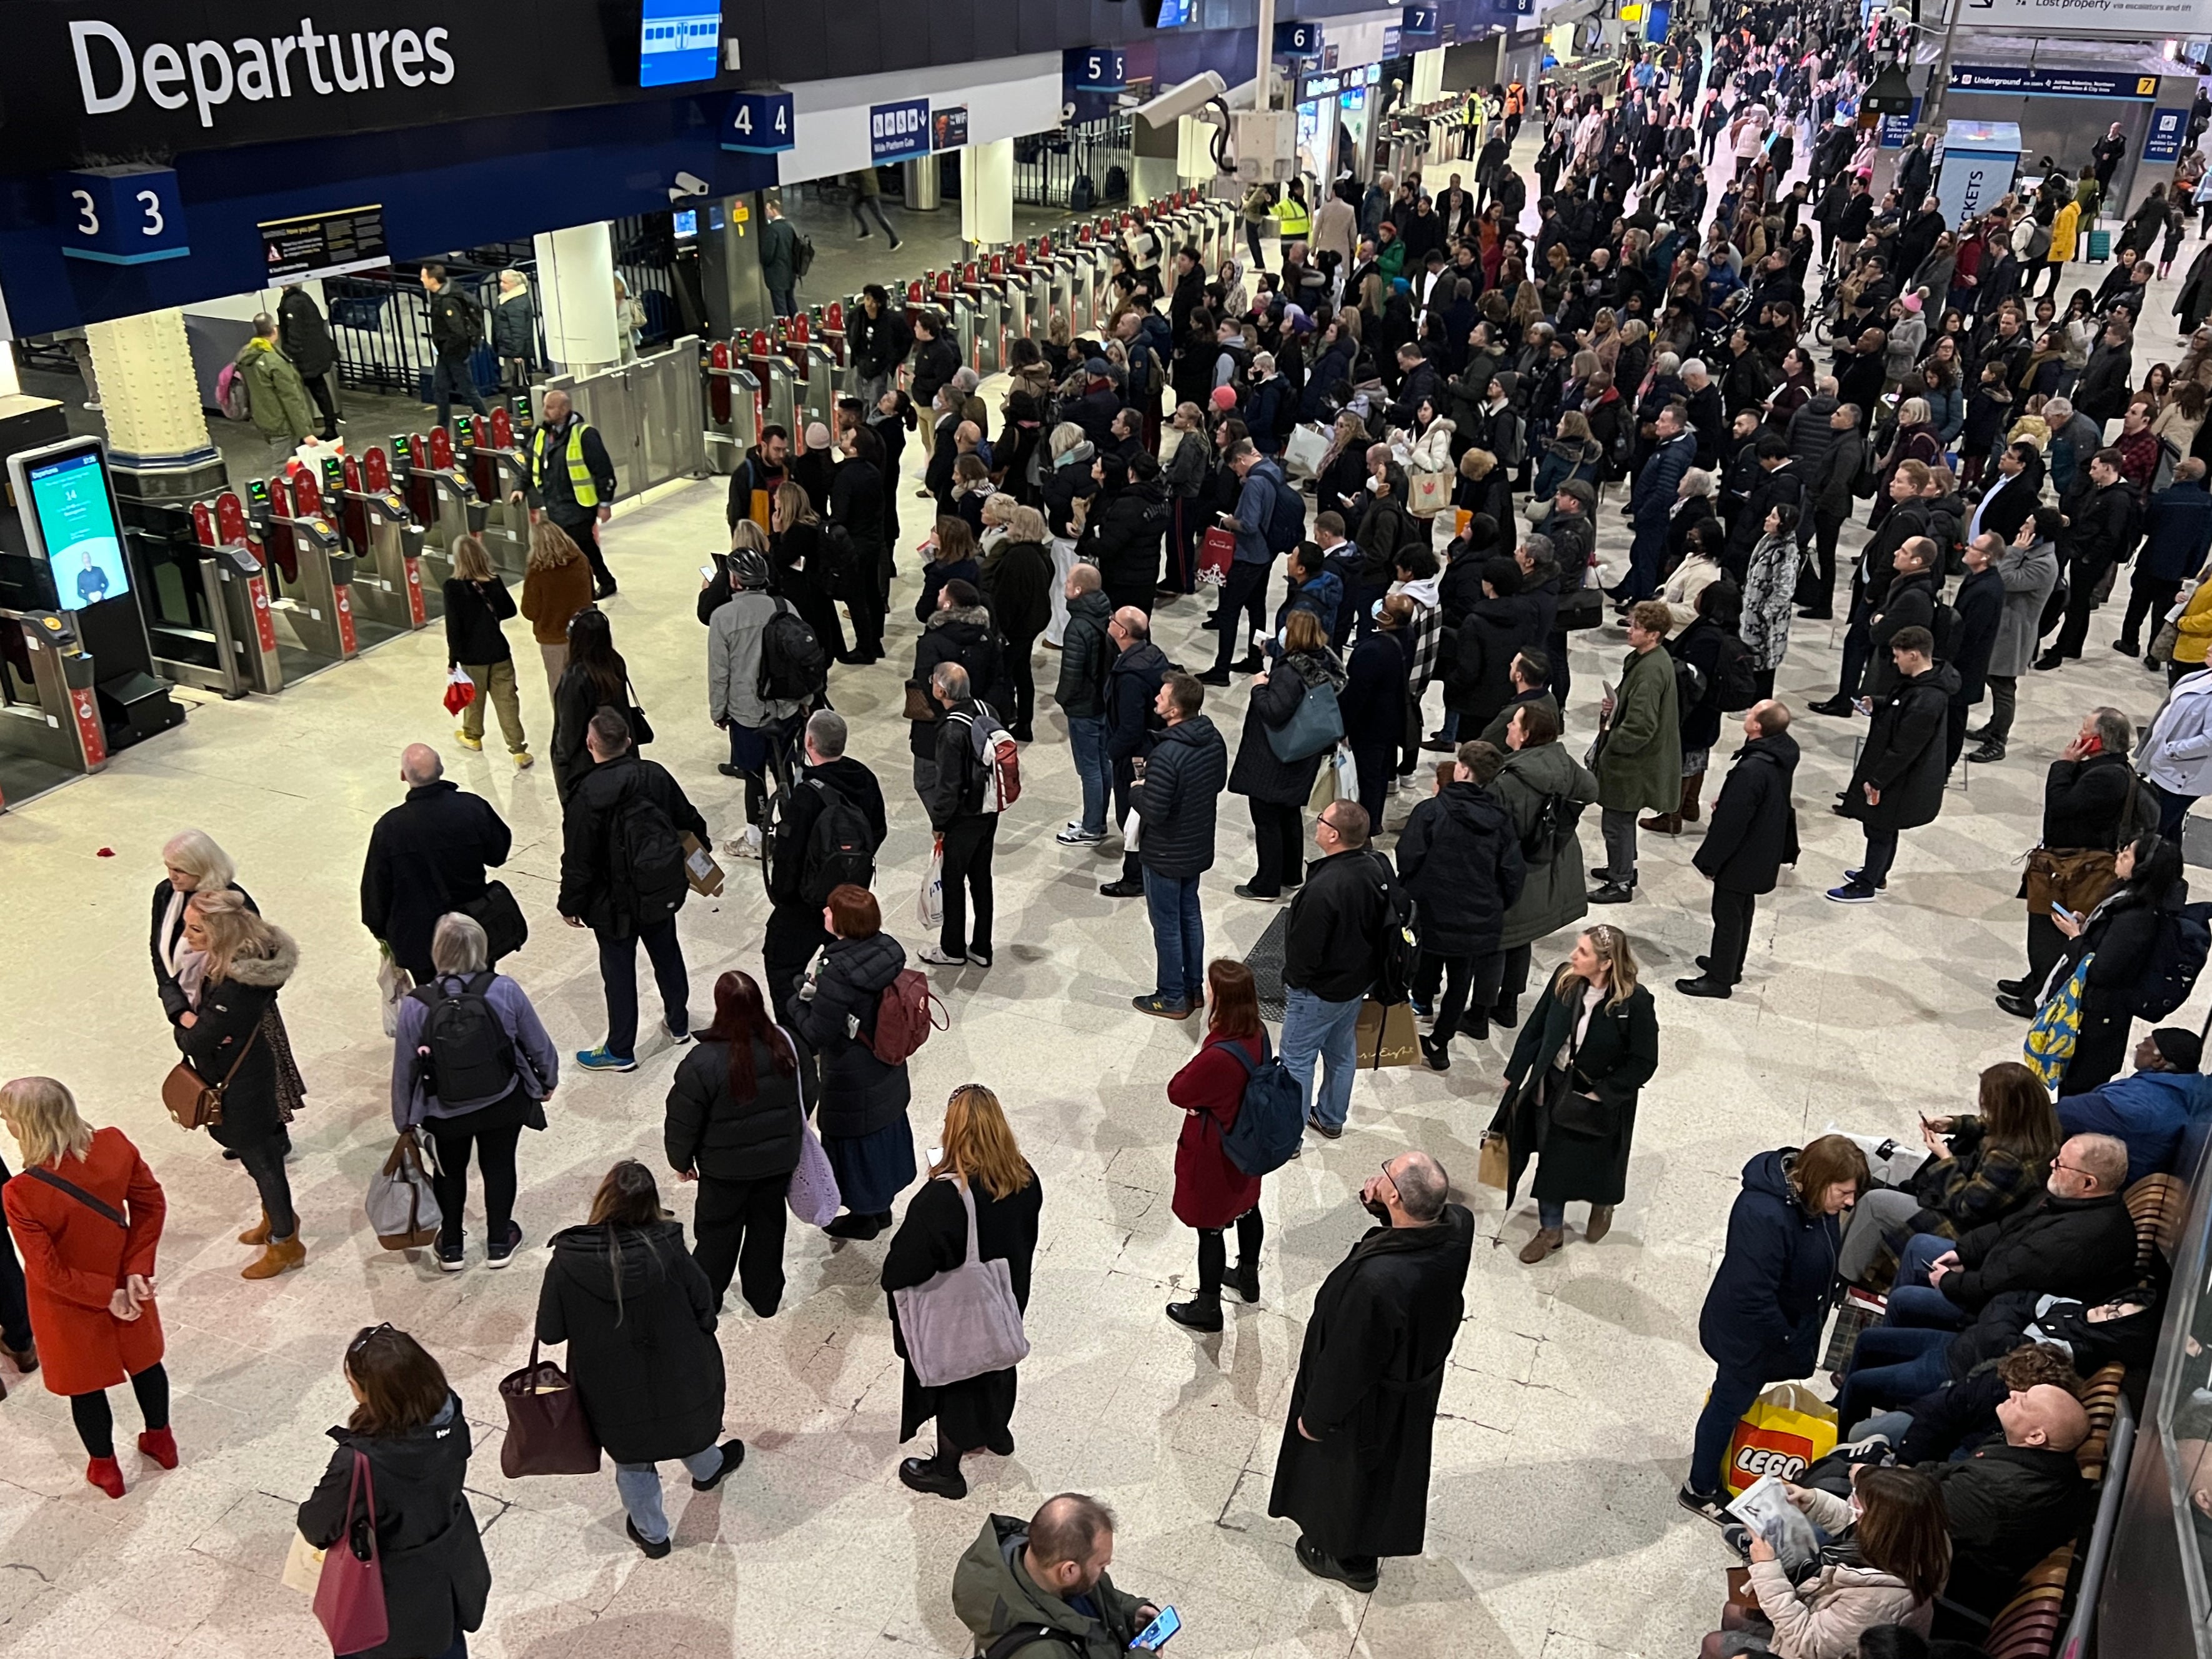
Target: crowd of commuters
point(1434, 365)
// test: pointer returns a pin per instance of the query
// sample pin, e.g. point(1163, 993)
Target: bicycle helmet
point(747, 569)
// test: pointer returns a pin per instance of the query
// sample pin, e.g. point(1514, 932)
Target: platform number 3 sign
point(122, 216)
point(759, 122)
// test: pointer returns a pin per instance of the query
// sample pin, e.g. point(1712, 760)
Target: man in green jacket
point(275, 394)
point(1046, 1575)
point(1640, 765)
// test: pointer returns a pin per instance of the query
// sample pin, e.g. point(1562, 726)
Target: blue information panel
point(1298, 39)
point(76, 518)
point(1419, 20)
point(2051, 83)
point(898, 132)
point(679, 40)
point(1176, 14)
point(760, 122)
point(2162, 143)
point(1091, 79)
point(121, 215)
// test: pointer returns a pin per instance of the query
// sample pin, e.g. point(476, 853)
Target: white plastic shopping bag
point(929, 903)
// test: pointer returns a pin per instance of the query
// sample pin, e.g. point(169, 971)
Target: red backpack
point(904, 1018)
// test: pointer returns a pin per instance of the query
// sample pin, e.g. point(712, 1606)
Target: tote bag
point(403, 1207)
point(1304, 451)
point(1428, 493)
point(929, 902)
point(350, 1595)
point(812, 1195)
point(2057, 1028)
point(547, 1432)
point(964, 1323)
point(1315, 725)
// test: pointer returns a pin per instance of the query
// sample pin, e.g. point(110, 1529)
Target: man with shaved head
point(426, 856)
point(2008, 1506)
point(1353, 1471)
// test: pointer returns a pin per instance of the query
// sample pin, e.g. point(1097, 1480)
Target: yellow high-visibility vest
point(580, 476)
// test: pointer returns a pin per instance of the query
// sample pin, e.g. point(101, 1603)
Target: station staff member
point(572, 481)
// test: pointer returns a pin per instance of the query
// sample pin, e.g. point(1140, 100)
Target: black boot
point(934, 1475)
point(1201, 1313)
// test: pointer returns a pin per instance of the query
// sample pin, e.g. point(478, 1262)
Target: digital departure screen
point(679, 40)
point(75, 516)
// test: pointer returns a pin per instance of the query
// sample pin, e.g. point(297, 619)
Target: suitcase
point(2100, 246)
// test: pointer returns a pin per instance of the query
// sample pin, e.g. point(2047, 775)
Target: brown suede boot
point(1665, 823)
point(258, 1233)
point(278, 1256)
point(1547, 1239)
point(1692, 787)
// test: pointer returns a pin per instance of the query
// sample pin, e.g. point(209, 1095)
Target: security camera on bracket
point(687, 185)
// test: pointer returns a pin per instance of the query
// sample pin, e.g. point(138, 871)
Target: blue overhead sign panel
point(898, 132)
point(1298, 39)
point(122, 216)
point(2162, 143)
point(1091, 80)
point(2051, 82)
point(1177, 14)
point(760, 123)
point(1419, 20)
point(680, 41)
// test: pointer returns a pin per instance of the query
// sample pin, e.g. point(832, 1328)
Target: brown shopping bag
point(1385, 1035)
point(1497, 1166)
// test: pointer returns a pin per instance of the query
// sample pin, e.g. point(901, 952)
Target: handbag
point(641, 729)
point(2075, 880)
point(403, 1206)
point(506, 930)
point(964, 1321)
point(1304, 451)
point(1585, 607)
point(1427, 494)
point(1216, 554)
point(917, 703)
point(2057, 1028)
point(1315, 725)
point(349, 1594)
point(547, 1431)
point(195, 1104)
point(1495, 1170)
point(393, 982)
point(929, 902)
point(813, 1194)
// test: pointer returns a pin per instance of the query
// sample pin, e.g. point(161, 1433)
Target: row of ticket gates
point(794, 373)
point(312, 566)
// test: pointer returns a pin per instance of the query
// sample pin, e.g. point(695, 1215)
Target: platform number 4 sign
point(760, 122)
point(122, 216)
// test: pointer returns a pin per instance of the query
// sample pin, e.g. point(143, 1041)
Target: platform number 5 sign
point(122, 216)
point(759, 122)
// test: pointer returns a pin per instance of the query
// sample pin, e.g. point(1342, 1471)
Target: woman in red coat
point(86, 1214)
point(1210, 1191)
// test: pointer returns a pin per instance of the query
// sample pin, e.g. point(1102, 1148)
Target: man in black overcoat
point(1751, 835)
point(1353, 1470)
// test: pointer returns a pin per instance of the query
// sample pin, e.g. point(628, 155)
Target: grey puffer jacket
point(1553, 895)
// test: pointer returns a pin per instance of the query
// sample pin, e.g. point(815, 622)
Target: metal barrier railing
point(1047, 166)
point(651, 414)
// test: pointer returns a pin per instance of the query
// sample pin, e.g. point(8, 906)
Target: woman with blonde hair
point(192, 863)
point(232, 967)
point(88, 1213)
point(1571, 1087)
point(795, 549)
point(477, 602)
point(555, 587)
point(982, 1198)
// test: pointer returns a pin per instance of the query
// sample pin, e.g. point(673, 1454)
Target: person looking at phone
point(1047, 1577)
point(2091, 802)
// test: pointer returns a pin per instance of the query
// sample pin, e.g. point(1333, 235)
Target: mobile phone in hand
point(2061, 910)
point(1154, 1636)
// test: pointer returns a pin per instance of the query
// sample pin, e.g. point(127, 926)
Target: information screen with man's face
point(77, 520)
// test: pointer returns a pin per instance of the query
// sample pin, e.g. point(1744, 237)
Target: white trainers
point(931, 954)
point(745, 846)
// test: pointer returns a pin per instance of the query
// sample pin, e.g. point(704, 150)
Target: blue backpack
point(1271, 1120)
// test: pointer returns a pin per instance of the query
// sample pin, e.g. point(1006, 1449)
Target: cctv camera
point(1192, 96)
point(688, 184)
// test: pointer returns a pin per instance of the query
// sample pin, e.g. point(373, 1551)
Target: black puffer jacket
point(1067, 481)
point(638, 1316)
point(1017, 584)
point(2078, 1247)
point(709, 1131)
point(1182, 789)
point(1086, 657)
point(1257, 773)
point(1121, 536)
point(431, 1555)
point(964, 634)
point(859, 1093)
point(1460, 859)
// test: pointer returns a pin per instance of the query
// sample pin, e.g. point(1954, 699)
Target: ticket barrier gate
point(389, 595)
point(433, 487)
point(49, 704)
point(313, 620)
point(205, 599)
point(1059, 284)
point(1033, 285)
point(815, 393)
point(779, 384)
point(829, 327)
point(490, 452)
point(989, 301)
point(1087, 290)
point(733, 399)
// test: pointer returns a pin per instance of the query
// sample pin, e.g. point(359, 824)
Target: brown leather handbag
point(918, 706)
point(2077, 879)
point(547, 1432)
point(195, 1104)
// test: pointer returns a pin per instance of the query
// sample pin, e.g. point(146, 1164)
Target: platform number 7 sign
point(760, 122)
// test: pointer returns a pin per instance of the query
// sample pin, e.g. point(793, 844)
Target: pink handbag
point(349, 1596)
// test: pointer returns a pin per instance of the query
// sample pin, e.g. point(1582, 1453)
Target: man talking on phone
point(2092, 803)
point(1038, 1588)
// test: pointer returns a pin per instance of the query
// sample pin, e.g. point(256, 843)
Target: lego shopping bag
point(1786, 1431)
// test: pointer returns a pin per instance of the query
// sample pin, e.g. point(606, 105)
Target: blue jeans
point(618, 974)
point(785, 300)
point(639, 1484)
point(1087, 739)
point(1912, 1300)
point(1315, 1031)
point(1733, 1393)
point(1178, 936)
point(1892, 1365)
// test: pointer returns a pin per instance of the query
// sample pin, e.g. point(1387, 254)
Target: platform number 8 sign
point(759, 122)
point(122, 216)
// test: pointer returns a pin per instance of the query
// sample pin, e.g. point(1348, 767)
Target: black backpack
point(1394, 976)
point(465, 1053)
point(802, 254)
point(794, 667)
point(840, 849)
point(840, 562)
point(1557, 817)
point(647, 858)
point(2177, 956)
point(1023, 1637)
point(1286, 520)
point(1737, 679)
